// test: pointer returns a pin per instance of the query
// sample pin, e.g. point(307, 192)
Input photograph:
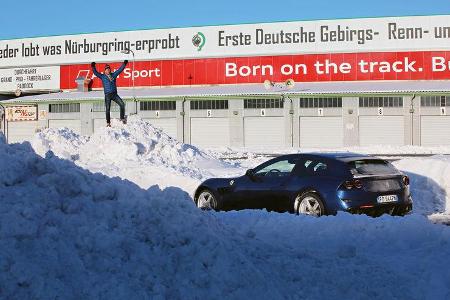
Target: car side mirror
point(250, 173)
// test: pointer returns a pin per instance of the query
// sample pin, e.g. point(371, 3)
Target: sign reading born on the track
point(417, 65)
point(305, 37)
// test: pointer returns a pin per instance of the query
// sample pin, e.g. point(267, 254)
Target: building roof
point(301, 88)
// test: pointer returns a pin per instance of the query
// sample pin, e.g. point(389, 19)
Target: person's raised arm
point(94, 69)
point(120, 70)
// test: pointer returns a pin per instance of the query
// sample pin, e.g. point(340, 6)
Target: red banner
point(423, 65)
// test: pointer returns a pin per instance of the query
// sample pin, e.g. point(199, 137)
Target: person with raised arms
point(108, 79)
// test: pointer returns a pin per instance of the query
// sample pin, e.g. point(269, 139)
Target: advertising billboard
point(419, 65)
point(391, 34)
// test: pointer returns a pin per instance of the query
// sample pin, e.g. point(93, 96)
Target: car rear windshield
point(371, 167)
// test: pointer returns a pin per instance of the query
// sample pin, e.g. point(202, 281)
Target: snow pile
point(62, 141)
point(136, 151)
point(69, 234)
point(430, 182)
point(355, 257)
point(139, 140)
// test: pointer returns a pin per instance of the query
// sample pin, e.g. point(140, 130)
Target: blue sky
point(50, 17)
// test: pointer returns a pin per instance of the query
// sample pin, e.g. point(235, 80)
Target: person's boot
point(108, 124)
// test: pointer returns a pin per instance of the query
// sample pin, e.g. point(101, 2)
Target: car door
point(303, 175)
point(284, 188)
point(264, 187)
point(246, 193)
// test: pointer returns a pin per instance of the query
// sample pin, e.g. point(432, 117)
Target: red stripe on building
point(420, 65)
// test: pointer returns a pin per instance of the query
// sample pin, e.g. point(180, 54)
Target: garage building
point(332, 89)
point(249, 116)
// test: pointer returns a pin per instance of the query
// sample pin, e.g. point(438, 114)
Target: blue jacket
point(109, 82)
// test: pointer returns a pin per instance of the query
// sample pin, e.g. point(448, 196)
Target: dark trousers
point(114, 97)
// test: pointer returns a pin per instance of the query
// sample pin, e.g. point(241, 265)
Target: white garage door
point(267, 132)
point(21, 131)
point(74, 125)
point(168, 125)
point(321, 132)
point(210, 132)
point(435, 130)
point(381, 130)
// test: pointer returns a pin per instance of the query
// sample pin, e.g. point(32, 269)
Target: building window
point(158, 105)
point(64, 108)
point(263, 103)
point(209, 104)
point(380, 101)
point(100, 106)
point(321, 102)
point(435, 101)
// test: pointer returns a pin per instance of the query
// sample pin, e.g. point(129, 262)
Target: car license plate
point(387, 199)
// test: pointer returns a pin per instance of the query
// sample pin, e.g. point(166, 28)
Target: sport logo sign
point(198, 40)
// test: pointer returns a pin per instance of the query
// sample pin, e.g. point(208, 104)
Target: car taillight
point(405, 180)
point(353, 184)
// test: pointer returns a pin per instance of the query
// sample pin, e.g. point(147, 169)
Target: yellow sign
point(42, 115)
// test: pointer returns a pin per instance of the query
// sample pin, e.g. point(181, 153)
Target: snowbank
point(147, 156)
point(430, 182)
point(136, 151)
point(67, 233)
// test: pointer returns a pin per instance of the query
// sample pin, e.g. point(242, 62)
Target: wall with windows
point(354, 120)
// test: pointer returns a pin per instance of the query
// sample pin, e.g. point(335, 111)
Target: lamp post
point(128, 51)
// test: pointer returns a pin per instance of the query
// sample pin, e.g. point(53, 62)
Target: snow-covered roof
point(301, 88)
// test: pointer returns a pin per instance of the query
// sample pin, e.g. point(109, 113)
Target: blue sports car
point(314, 184)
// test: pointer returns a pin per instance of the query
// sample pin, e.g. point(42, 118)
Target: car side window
point(316, 168)
point(278, 169)
point(308, 163)
point(320, 167)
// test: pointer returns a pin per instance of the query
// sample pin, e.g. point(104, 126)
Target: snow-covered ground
point(111, 217)
point(138, 152)
point(147, 156)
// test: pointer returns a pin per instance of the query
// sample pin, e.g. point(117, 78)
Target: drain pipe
point(182, 114)
point(291, 112)
point(411, 112)
point(4, 122)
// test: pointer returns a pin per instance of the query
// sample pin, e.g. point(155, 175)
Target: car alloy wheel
point(310, 205)
point(206, 201)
